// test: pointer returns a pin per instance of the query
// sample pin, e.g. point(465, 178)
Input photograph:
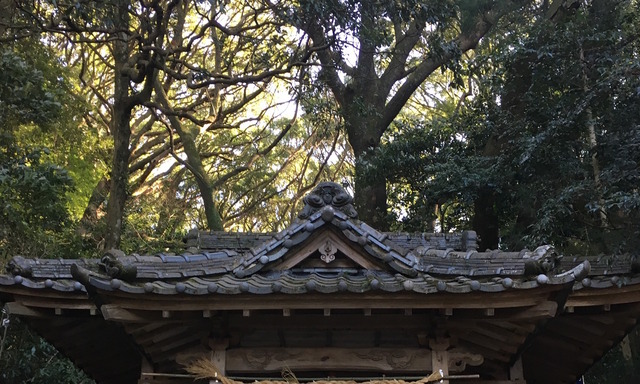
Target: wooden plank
point(489, 354)
point(500, 334)
point(161, 334)
point(491, 343)
point(135, 329)
point(168, 349)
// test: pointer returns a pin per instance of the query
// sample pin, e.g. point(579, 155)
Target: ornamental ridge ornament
point(328, 194)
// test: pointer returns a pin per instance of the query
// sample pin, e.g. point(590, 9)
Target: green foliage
point(555, 100)
point(24, 93)
point(28, 359)
point(34, 219)
point(32, 199)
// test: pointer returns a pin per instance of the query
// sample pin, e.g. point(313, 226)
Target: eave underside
point(165, 330)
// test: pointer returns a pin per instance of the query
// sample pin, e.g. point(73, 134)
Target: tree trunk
point(364, 135)
point(90, 215)
point(370, 191)
point(121, 131)
point(485, 220)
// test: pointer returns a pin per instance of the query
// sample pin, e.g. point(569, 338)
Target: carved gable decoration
point(329, 250)
point(328, 235)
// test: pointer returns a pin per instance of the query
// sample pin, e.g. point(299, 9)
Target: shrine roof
point(327, 249)
point(328, 269)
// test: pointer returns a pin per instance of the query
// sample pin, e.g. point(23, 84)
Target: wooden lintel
point(397, 360)
point(253, 360)
point(20, 310)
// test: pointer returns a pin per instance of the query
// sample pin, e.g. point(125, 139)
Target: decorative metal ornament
point(328, 252)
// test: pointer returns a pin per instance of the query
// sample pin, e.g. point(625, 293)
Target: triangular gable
point(328, 232)
point(329, 249)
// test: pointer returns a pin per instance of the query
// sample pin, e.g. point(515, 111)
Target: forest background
point(127, 123)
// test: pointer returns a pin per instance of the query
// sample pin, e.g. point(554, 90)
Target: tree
point(548, 132)
point(35, 193)
point(397, 47)
point(191, 76)
point(33, 190)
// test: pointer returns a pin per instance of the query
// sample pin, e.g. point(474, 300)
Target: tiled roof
point(326, 267)
point(238, 263)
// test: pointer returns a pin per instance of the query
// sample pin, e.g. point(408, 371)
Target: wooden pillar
point(219, 355)
point(440, 356)
point(145, 367)
point(516, 373)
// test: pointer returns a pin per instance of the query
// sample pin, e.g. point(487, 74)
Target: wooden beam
point(161, 335)
point(255, 360)
point(18, 309)
point(598, 297)
point(116, 313)
point(512, 300)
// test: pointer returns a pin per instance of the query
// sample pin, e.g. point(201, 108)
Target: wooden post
point(145, 367)
point(219, 355)
point(440, 356)
point(516, 373)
